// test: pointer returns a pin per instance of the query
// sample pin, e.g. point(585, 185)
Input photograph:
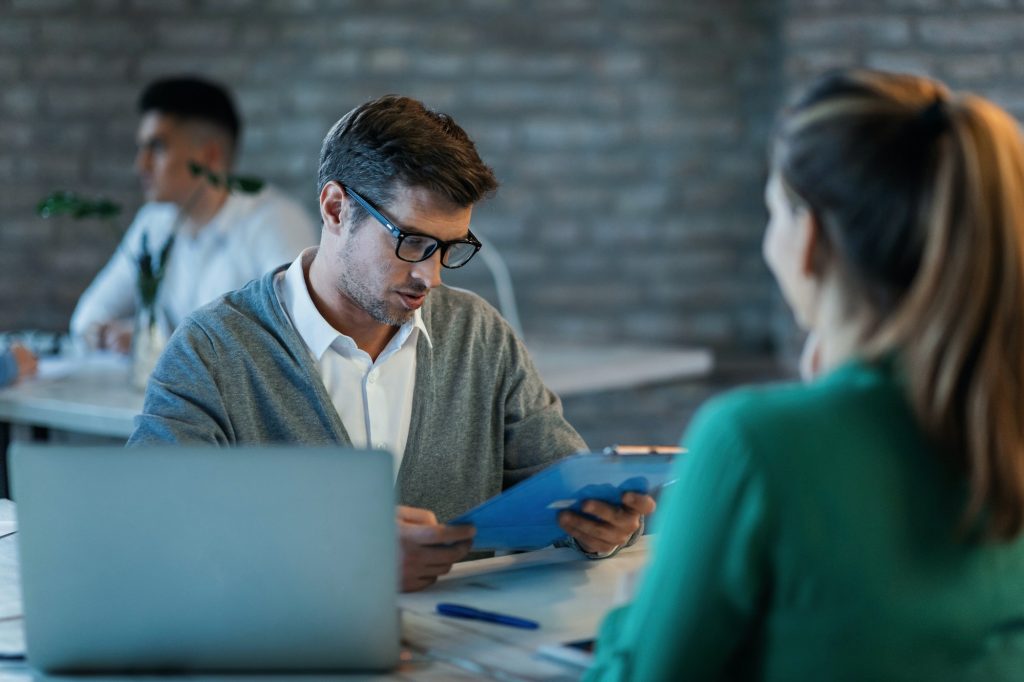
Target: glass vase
point(148, 341)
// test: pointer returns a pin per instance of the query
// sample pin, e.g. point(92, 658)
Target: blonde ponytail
point(937, 253)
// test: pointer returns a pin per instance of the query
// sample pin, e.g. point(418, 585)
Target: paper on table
point(8, 522)
point(12, 637)
point(61, 366)
point(453, 643)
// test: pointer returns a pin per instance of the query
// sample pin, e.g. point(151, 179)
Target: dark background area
point(629, 138)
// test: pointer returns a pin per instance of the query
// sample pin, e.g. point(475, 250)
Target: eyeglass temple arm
point(374, 212)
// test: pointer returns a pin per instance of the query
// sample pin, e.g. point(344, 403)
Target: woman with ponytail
point(866, 525)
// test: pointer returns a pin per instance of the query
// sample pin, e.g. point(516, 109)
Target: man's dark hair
point(396, 139)
point(189, 97)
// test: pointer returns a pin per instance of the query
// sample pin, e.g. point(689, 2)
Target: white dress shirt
point(373, 398)
point(250, 235)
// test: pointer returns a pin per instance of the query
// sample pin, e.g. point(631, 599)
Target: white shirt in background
point(373, 398)
point(250, 235)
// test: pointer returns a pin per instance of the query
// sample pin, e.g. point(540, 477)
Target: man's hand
point(616, 525)
point(428, 548)
point(26, 361)
point(115, 335)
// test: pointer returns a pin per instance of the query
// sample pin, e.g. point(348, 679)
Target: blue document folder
point(526, 515)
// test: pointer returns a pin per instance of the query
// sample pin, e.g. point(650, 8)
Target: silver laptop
point(203, 559)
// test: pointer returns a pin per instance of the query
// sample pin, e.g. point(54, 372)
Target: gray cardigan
point(237, 372)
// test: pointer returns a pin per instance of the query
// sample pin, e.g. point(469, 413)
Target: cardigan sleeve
point(706, 582)
point(183, 400)
point(536, 432)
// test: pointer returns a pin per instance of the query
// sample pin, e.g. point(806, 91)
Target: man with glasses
point(357, 343)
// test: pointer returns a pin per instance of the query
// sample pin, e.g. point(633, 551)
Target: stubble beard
point(355, 281)
point(377, 308)
point(382, 313)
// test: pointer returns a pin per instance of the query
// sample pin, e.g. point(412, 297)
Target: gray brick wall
point(973, 45)
point(629, 136)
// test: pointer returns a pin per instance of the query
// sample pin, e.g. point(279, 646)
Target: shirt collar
point(315, 331)
point(420, 325)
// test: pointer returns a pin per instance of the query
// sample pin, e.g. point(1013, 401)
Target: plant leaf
point(246, 184)
point(77, 206)
point(165, 253)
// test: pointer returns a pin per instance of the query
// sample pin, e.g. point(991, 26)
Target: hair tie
point(934, 119)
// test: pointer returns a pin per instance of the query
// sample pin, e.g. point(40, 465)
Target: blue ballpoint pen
point(459, 611)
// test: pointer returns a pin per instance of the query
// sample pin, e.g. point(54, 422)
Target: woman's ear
point(810, 244)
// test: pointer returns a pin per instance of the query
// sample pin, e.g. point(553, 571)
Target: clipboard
point(526, 515)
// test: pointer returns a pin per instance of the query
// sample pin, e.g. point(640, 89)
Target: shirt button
point(382, 446)
point(372, 377)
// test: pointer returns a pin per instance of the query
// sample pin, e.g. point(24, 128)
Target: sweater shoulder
point(859, 409)
point(777, 409)
point(453, 300)
point(248, 307)
point(451, 307)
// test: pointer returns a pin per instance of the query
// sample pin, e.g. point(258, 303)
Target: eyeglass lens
point(415, 248)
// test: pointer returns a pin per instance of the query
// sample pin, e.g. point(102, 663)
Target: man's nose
point(429, 271)
point(142, 161)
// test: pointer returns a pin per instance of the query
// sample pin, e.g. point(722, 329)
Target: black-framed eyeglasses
point(413, 248)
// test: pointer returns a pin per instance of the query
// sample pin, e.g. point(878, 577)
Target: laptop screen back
point(275, 558)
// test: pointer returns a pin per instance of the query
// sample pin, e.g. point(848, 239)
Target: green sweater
point(811, 537)
point(236, 372)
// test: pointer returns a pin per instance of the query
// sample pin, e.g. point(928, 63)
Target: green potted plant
point(148, 339)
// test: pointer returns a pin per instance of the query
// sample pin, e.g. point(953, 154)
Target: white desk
point(570, 369)
point(85, 395)
point(566, 594)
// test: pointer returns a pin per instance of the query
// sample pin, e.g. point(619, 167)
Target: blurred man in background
point(187, 141)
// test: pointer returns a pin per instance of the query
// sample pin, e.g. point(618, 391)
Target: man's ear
point(334, 206)
point(213, 155)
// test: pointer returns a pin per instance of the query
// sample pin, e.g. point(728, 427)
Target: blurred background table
point(571, 369)
point(91, 394)
point(88, 395)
